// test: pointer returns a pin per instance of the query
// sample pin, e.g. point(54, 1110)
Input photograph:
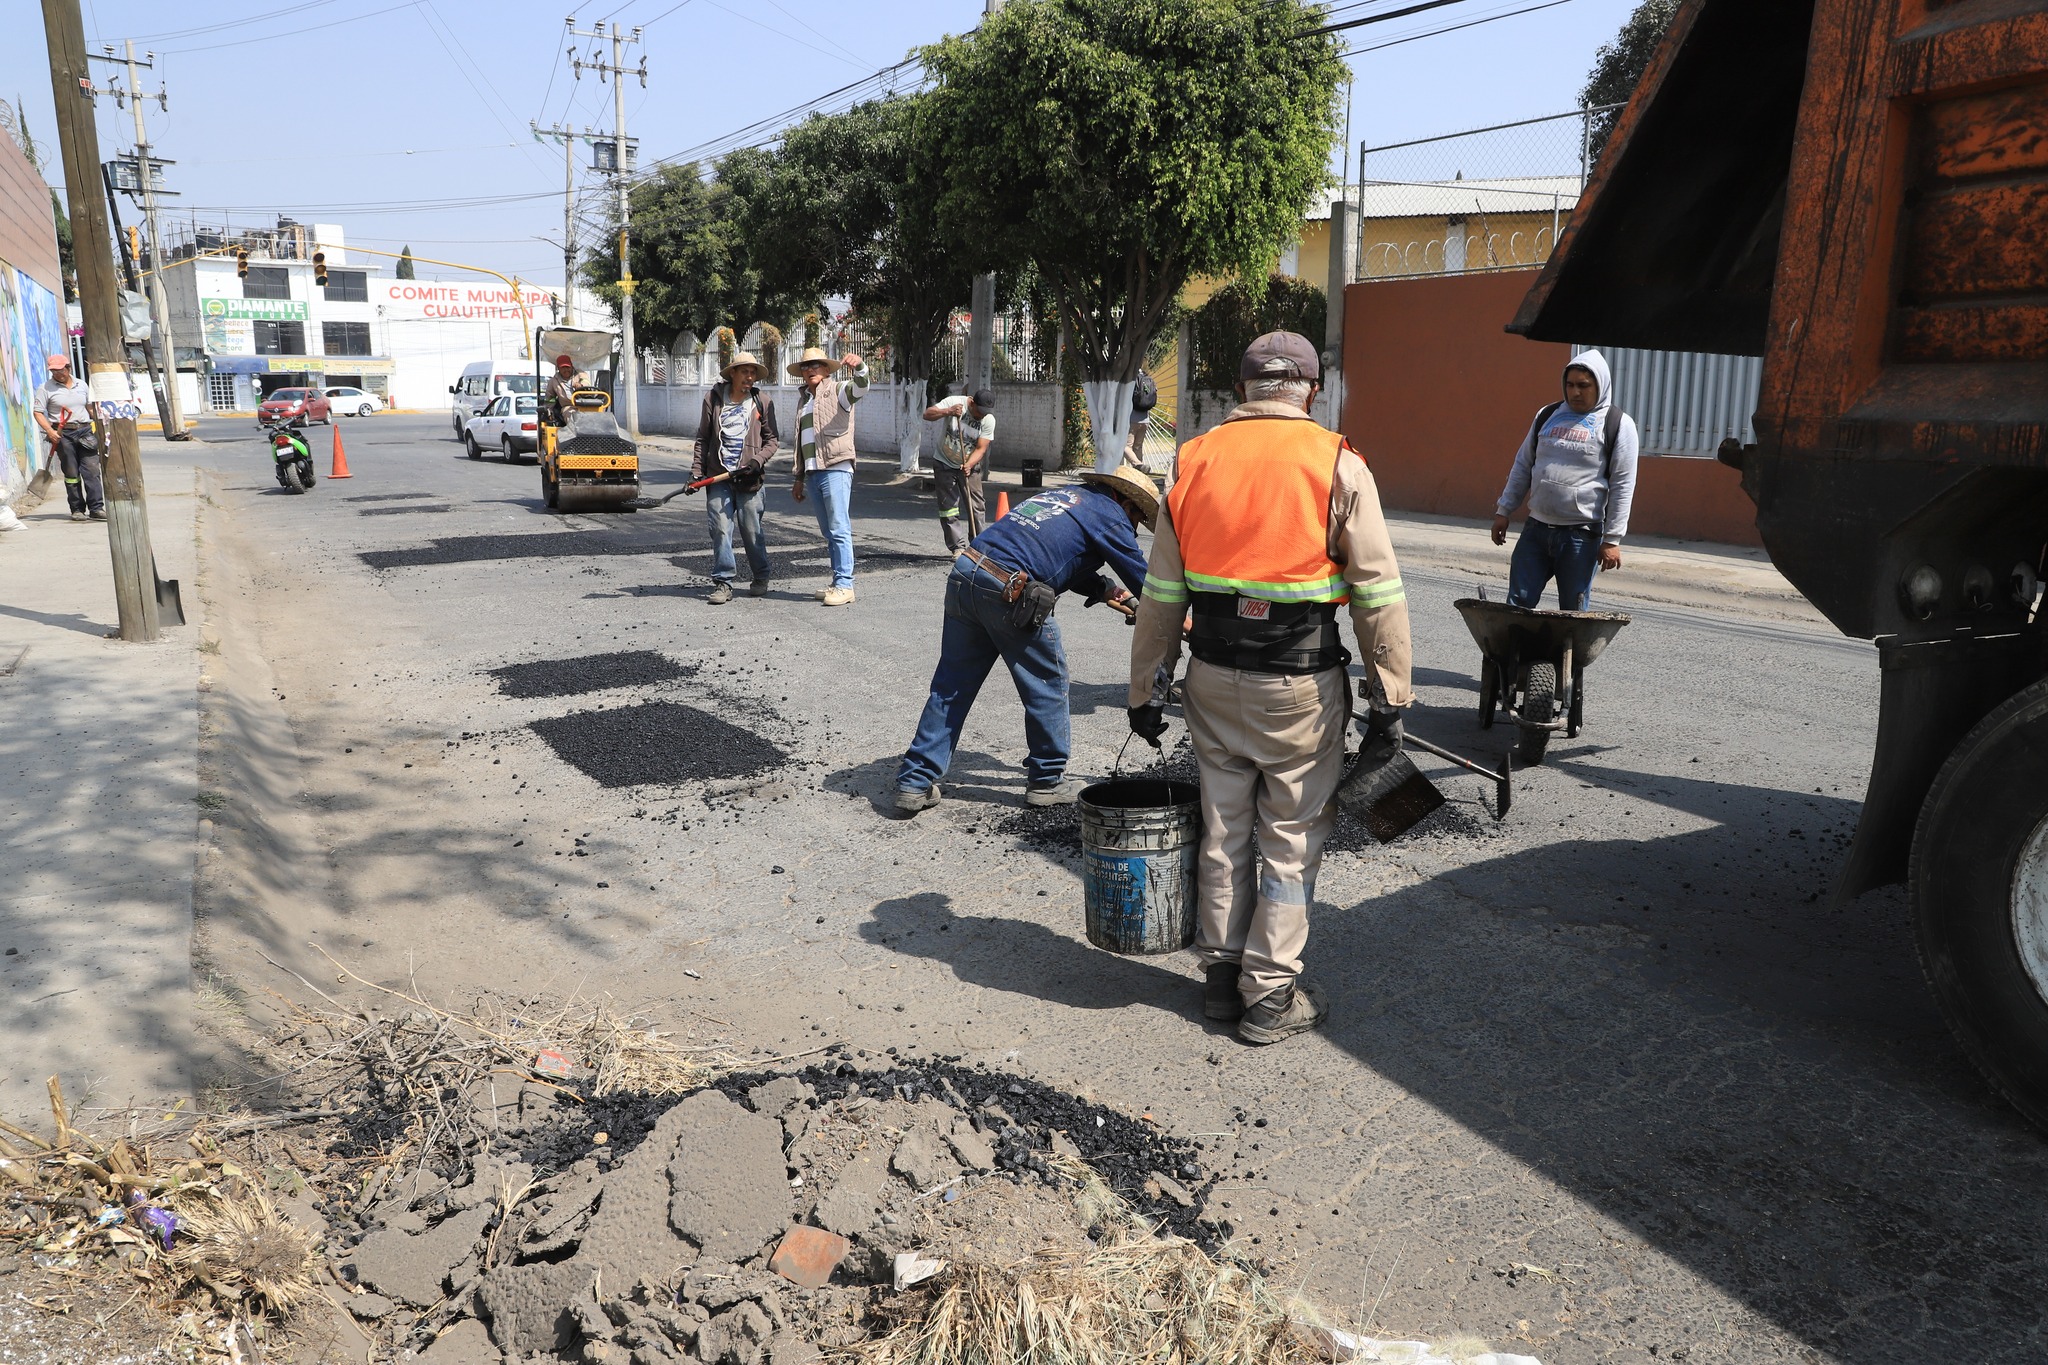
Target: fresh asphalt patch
point(386, 497)
point(588, 673)
point(405, 508)
point(473, 549)
point(659, 743)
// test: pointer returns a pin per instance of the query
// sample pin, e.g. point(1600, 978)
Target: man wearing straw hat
point(736, 436)
point(825, 456)
point(1272, 524)
point(999, 605)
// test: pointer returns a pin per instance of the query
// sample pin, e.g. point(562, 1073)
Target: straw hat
point(811, 355)
point(744, 358)
point(1133, 483)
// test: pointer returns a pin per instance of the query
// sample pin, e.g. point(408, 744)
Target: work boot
point(78, 516)
point(721, 593)
point(911, 800)
point(1220, 999)
point(1064, 792)
point(837, 597)
point(758, 588)
point(1290, 1010)
point(97, 514)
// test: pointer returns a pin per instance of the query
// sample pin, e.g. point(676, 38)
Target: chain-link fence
point(1486, 199)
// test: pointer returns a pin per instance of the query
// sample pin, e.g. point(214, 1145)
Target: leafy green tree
point(848, 207)
point(1619, 66)
point(694, 266)
point(405, 267)
point(67, 254)
point(1124, 146)
point(1237, 314)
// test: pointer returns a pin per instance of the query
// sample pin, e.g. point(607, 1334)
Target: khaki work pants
point(1270, 748)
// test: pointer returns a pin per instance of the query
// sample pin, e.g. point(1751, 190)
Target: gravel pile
point(588, 673)
point(660, 743)
point(553, 545)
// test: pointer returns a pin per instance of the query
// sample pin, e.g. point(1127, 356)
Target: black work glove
point(1147, 722)
point(1384, 727)
point(747, 477)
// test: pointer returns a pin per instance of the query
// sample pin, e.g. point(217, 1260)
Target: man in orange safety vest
point(1273, 523)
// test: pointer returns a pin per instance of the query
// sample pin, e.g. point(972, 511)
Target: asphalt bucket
point(1138, 842)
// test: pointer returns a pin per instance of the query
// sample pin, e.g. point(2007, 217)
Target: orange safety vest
point(1251, 510)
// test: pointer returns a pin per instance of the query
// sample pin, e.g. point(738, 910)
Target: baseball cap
point(984, 400)
point(1280, 355)
point(58, 362)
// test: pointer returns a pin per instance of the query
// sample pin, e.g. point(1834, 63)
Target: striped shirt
point(851, 391)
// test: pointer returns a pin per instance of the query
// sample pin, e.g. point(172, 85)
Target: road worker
point(1271, 525)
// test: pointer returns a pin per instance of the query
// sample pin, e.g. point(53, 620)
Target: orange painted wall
point(1436, 395)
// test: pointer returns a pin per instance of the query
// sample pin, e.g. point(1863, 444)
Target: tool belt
point(1030, 602)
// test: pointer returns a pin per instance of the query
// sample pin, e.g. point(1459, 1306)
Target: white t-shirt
point(963, 433)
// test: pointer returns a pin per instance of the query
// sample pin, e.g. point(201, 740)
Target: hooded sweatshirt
point(1559, 471)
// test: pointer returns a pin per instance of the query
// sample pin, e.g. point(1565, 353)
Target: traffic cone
point(340, 459)
point(1002, 503)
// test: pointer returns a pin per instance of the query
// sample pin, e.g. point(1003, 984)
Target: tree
point(693, 265)
point(404, 271)
point(1124, 146)
point(67, 254)
point(1619, 66)
point(848, 206)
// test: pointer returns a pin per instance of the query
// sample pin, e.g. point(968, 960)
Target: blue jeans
point(831, 492)
point(1570, 554)
point(977, 633)
point(723, 508)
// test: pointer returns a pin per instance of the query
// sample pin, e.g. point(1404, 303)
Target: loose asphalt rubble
point(657, 743)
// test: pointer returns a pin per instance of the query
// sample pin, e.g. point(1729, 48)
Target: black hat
point(984, 400)
point(1280, 355)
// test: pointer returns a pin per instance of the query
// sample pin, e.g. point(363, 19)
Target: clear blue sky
point(334, 110)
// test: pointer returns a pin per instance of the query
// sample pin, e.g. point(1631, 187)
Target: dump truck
point(1857, 191)
point(587, 462)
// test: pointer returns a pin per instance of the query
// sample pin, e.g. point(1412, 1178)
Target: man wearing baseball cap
point(960, 462)
point(64, 412)
point(1272, 524)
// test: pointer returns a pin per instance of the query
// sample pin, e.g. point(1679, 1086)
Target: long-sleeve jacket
point(1563, 470)
point(1358, 543)
point(763, 438)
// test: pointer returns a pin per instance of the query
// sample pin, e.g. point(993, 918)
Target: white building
point(276, 327)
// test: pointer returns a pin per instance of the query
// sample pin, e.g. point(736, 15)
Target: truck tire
point(1539, 703)
point(1489, 691)
point(1979, 880)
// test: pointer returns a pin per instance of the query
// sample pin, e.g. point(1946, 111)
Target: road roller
point(587, 463)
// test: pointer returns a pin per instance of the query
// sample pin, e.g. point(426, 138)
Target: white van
point(480, 383)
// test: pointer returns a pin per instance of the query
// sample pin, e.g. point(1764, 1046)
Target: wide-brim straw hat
point(1133, 483)
point(744, 358)
point(813, 355)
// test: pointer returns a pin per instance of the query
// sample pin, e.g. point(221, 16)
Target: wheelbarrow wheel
point(1489, 692)
point(1578, 715)
point(1539, 704)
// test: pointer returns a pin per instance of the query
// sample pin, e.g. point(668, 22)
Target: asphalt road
point(1612, 1080)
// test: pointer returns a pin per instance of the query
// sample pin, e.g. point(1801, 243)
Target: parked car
point(349, 402)
point(510, 424)
point(481, 382)
point(287, 405)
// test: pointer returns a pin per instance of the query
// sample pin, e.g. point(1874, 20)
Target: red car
point(287, 405)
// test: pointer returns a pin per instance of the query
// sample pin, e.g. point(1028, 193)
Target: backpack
point(1613, 435)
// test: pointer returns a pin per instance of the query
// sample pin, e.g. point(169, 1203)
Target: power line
point(293, 32)
point(1388, 17)
point(265, 17)
point(1453, 28)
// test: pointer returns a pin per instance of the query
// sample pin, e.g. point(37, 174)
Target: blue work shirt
point(1064, 536)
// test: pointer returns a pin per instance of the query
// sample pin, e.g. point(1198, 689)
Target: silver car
point(509, 424)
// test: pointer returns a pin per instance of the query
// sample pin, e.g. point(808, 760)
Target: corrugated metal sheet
point(1685, 403)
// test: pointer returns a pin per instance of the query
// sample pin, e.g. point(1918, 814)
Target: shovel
point(1385, 789)
point(647, 504)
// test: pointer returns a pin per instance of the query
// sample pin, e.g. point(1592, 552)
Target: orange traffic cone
point(340, 459)
point(1002, 504)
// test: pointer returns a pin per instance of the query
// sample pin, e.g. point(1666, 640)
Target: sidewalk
point(98, 755)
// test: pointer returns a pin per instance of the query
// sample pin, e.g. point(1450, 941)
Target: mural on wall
point(17, 382)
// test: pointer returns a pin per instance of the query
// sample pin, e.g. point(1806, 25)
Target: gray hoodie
point(1559, 470)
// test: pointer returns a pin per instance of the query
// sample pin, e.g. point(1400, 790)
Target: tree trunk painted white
point(909, 423)
point(1109, 417)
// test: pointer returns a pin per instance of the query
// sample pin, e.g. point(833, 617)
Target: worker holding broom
point(1272, 523)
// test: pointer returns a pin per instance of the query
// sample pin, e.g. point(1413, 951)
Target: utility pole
point(981, 321)
point(569, 137)
point(617, 70)
point(159, 302)
point(107, 373)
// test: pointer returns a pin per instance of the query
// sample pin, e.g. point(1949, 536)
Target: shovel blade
point(1388, 792)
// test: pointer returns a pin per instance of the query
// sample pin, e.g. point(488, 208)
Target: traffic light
point(320, 267)
point(135, 244)
point(242, 262)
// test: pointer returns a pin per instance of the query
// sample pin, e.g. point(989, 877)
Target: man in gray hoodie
point(1577, 468)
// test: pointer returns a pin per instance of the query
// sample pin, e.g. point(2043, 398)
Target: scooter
point(294, 459)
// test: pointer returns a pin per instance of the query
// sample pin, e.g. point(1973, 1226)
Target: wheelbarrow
point(1532, 667)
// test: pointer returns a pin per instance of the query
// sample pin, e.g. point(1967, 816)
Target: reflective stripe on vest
point(1251, 510)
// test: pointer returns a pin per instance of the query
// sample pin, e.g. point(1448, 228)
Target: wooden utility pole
point(107, 371)
point(981, 308)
